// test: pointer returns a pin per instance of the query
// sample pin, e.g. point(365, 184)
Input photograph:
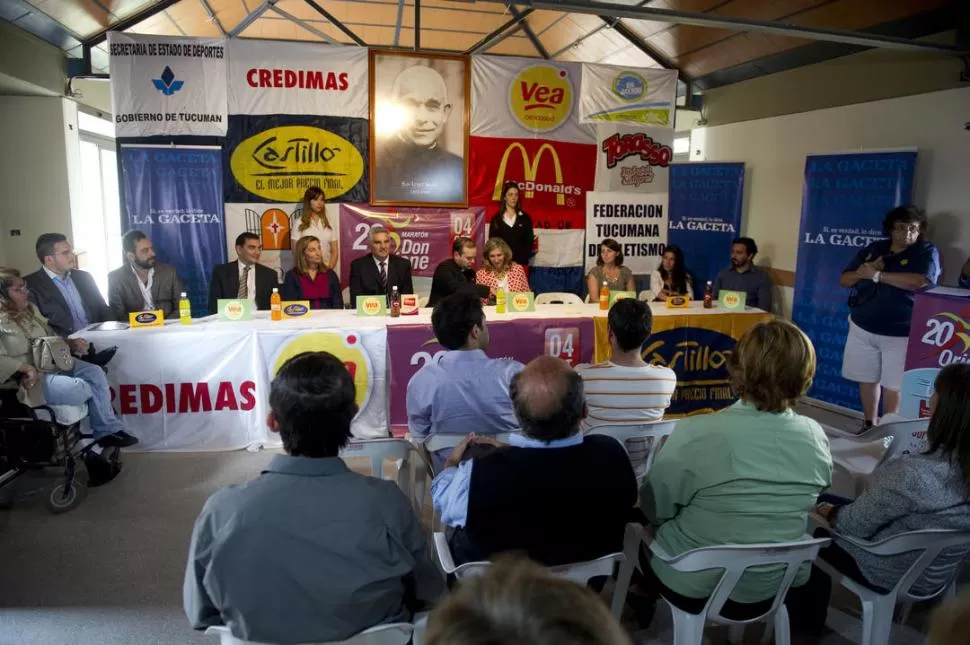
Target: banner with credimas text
point(167, 85)
point(633, 159)
point(637, 221)
point(845, 200)
point(174, 195)
point(705, 215)
point(639, 96)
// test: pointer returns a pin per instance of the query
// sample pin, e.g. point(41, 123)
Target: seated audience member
point(376, 273)
point(671, 278)
point(143, 284)
point(310, 279)
point(553, 494)
point(457, 274)
point(609, 269)
point(749, 474)
point(245, 278)
point(744, 276)
point(309, 551)
point(499, 271)
point(517, 602)
point(912, 492)
point(465, 391)
point(964, 281)
point(20, 325)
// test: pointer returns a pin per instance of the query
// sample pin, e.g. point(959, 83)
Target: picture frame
point(419, 125)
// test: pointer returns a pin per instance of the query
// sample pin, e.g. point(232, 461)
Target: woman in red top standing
point(499, 271)
point(513, 225)
point(310, 279)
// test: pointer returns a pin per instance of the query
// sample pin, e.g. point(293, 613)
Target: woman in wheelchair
point(20, 325)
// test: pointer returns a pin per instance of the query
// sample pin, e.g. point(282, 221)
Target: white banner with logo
point(637, 221)
point(641, 96)
point(168, 85)
point(517, 98)
point(272, 77)
point(633, 159)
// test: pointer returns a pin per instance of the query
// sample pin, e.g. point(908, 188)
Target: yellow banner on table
point(146, 318)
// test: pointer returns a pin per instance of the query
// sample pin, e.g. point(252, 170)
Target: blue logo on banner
point(167, 84)
point(699, 356)
point(629, 86)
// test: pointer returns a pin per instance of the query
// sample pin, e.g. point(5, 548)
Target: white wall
point(774, 151)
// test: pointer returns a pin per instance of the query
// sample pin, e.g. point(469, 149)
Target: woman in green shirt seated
point(749, 474)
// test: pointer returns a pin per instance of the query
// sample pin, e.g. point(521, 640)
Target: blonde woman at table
point(499, 271)
point(20, 325)
point(310, 279)
point(609, 268)
point(314, 222)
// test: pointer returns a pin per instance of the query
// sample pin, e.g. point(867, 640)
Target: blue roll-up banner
point(705, 215)
point(174, 195)
point(845, 199)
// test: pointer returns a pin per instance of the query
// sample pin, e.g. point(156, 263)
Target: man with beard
point(142, 284)
point(744, 276)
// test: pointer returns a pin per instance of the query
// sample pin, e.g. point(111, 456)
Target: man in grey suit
point(142, 284)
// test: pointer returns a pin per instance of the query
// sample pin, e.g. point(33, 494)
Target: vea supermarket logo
point(167, 84)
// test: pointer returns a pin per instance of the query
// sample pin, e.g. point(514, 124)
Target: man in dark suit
point(142, 284)
point(246, 278)
point(378, 272)
point(458, 273)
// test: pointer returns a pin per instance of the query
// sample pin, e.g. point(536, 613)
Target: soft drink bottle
point(604, 297)
point(500, 300)
point(185, 309)
point(395, 303)
point(275, 306)
point(709, 296)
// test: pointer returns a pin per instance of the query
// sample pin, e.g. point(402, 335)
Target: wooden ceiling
point(699, 52)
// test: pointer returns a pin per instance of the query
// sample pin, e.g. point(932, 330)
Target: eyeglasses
point(906, 228)
point(24, 289)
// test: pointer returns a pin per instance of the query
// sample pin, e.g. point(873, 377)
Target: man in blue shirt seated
point(554, 494)
point(744, 276)
point(308, 551)
point(884, 277)
point(463, 390)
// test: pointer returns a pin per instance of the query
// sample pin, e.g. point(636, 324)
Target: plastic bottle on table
point(275, 306)
point(395, 303)
point(500, 300)
point(604, 297)
point(709, 296)
point(185, 309)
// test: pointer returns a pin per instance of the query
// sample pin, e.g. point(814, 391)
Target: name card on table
point(409, 304)
point(678, 302)
point(521, 301)
point(295, 309)
point(371, 305)
point(732, 300)
point(232, 309)
point(146, 318)
point(620, 295)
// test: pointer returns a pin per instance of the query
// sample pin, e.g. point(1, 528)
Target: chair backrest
point(389, 634)
point(655, 434)
point(557, 298)
point(436, 442)
point(380, 449)
point(734, 560)
point(905, 437)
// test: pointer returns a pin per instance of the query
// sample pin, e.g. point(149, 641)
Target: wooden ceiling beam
point(336, 23)
point(531, 35)
point(501, 33)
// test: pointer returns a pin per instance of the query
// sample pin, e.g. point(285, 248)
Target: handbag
point(52, 354)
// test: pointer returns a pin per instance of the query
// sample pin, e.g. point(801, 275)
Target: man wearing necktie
point(379, 272)
point(244, 279)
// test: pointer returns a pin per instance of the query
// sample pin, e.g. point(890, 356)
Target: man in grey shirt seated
point(744, 276)
point(308, 551)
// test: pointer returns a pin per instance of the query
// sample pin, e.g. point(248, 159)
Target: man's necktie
point(383, 274)
point(243, 292)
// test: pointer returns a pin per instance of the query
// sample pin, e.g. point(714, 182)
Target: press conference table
point(205, 386)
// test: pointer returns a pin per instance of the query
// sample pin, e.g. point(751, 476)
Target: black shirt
point(449, 278)
point(410, 173)
point(519, 236)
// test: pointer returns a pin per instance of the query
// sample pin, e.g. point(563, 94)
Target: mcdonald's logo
point(529, 185)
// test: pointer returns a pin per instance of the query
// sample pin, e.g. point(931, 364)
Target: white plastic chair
point(656, 432)
point(558, 298)
point(733, 561)
point(859, 455)
point(396, 449)
point(646, 295)
point(389, 634)
point(877, 608)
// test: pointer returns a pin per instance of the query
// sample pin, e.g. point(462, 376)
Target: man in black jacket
point(378, 272)
point(458, 273)
point(245, 278)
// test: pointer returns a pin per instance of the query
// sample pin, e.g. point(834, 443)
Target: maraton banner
point(553, 177)
point(845, 200)
point(276, 158)
point(637, 221)
point(174, 195)
point(167, 85)
point(517, 98)
point(272, 77)
point(633, 159)
point(639, 96)
point(705, 215)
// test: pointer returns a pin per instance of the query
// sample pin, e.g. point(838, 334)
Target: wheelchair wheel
point(62, 500)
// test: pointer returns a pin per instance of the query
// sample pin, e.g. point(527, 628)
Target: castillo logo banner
point(274, 159)
point(541, 97)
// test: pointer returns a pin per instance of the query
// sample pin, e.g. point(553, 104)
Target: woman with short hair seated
point(749, 474)
point(310, 279)
point(498, 271)
point(20, 324)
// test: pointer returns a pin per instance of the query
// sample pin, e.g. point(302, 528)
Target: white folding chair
point(558, 298)
point(646, 295)
point(733, 561)
point(859, 455)
point(389, 634)
point(655, 434)
point(398, 450)
point(877, 608)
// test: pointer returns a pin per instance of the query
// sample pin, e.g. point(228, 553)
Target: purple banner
point(411, 346)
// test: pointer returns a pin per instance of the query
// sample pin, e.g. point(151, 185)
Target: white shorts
point(871, 358)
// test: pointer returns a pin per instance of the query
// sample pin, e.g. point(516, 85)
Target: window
point(682, 145)
point(97, 228)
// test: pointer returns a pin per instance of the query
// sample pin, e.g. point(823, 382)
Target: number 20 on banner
point(564, 343)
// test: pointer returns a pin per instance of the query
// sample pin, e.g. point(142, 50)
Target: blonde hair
point(7, 277)
point(517, 602)
point(312, 193)
point(497, 243)
point(299, 257)
point(772, 365)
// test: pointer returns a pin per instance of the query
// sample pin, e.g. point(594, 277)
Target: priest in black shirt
point(458, 273)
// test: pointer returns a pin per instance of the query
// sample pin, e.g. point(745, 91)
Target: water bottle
point(185, 310)
point(395, 303)
point(709, 296)
point(275, 305)
point(500, 300)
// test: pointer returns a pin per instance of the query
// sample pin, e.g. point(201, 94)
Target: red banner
point(553, 177)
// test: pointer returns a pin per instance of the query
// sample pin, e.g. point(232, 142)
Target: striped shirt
point(620, 394)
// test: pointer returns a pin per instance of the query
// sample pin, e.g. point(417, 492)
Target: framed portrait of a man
point(419, 129)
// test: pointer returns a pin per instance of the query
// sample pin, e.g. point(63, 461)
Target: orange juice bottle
point(275, 306)
point(604, 297)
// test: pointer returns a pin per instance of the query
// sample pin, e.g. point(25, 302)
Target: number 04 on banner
point(564, 342)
